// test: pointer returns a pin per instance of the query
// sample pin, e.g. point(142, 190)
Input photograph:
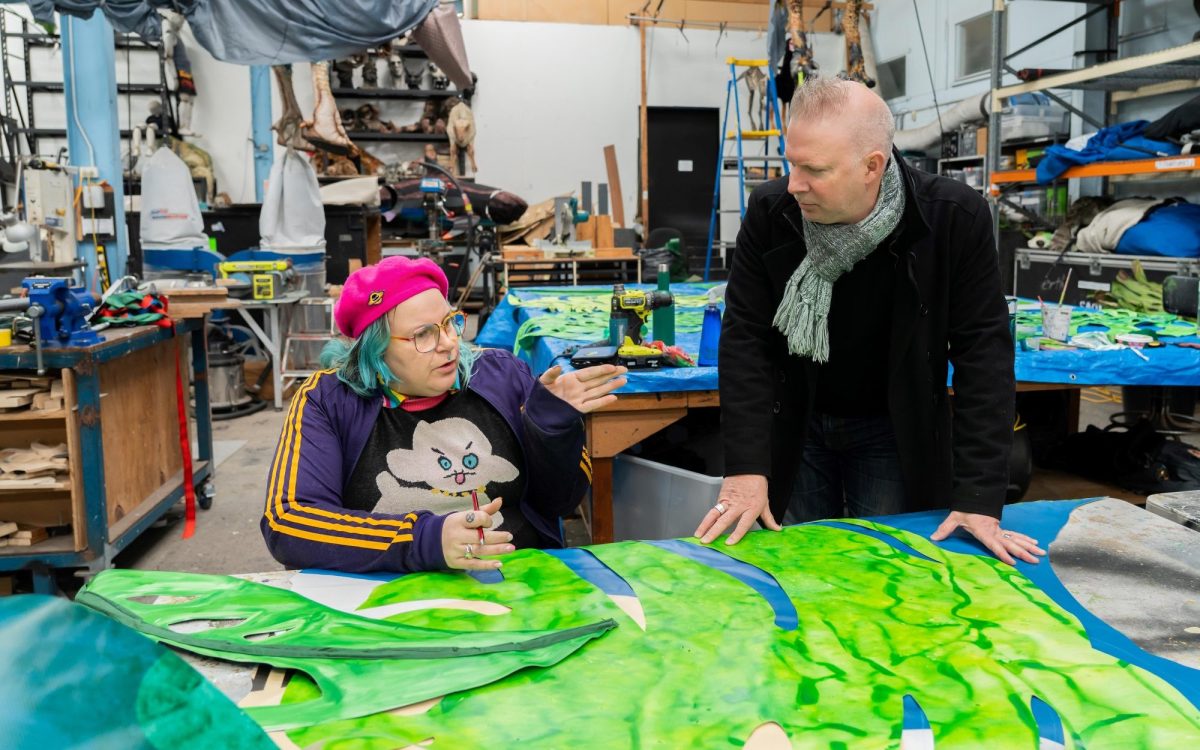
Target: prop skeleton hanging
point(173, 51)
point(856, 67)
point(460, 126)
point(804, 63)
point(756, 85)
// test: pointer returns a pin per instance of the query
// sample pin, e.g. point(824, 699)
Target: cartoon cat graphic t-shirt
point(433, 458)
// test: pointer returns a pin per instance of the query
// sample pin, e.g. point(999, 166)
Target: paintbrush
point(1066, 282)
point(475, 504)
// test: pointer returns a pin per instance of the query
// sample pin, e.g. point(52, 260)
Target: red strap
point(189, 492)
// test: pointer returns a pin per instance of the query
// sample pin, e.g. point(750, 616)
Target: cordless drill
point(630, 311)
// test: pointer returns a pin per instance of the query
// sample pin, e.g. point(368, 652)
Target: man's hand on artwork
point(588, 389)
point(743, 501)
point(460, 539)
point(1003, 544)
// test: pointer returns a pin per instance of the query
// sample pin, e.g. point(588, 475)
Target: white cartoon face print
point(448, 460)
point(452, 456)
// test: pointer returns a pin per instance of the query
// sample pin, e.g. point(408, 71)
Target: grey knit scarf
point(833, 249)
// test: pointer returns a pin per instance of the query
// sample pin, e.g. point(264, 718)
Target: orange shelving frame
point(1158, 165)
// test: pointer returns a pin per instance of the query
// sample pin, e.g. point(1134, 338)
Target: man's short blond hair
point(818, 98)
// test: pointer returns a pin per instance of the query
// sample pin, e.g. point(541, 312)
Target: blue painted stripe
point(384, 577)
point(1050, 726)
point(589, 567)
point(914, 715)
point(887, 539)
point(756, 578)
point(487, 576)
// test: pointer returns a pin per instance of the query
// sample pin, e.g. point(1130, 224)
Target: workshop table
point(277, 315)
point(655, 399)
point(1136, 571)
point(120, 423)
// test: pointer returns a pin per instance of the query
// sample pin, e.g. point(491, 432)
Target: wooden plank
point(718, 12)
point(15, 398)
point(500, 10)
point(576, 11)
point(604, 232)
point(602, 491)
point(644, 401)
point(75, 459)
point(643, 182)
point(150, 502)
point(139, 426)
point(374, 241)
point(616, 431)
point(614, 184)
point(39, 507)
point(620, 10)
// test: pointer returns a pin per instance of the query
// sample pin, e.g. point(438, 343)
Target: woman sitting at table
point(382, 455)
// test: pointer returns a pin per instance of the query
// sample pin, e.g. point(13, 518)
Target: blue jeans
point(850, 468)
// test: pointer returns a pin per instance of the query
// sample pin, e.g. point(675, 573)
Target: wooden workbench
point(121, 426)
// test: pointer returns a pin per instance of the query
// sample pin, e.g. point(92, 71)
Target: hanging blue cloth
point(260, 32)
point(1115, 143)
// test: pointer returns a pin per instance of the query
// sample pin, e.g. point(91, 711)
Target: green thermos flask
point(663, 322)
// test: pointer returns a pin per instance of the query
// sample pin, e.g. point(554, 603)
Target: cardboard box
point(576, 11)
point(521, 252)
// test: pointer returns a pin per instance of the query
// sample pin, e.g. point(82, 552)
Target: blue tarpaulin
point(500, 332)
point(260, 32)
point(1167, 365)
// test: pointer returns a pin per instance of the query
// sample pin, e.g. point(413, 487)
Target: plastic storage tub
point(1022, 121)
point(652, 500)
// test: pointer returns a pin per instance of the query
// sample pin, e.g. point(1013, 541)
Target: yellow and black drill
point(629, 312)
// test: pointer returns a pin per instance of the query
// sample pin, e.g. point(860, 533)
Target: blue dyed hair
point(360, 364)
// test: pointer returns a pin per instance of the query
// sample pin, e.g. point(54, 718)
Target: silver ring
point(720, 508)
point(1006, 535)
point(470, 551)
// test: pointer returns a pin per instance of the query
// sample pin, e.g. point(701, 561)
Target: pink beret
point(372, 291)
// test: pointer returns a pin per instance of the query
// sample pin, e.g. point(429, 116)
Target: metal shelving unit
point(25, 123)
point(368, 135)
point(381, 93)
point(1120, 79)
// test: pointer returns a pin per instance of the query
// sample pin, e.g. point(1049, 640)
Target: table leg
point(602, 500)
point(268, 342)
point(203, 399)
point(276, 363)
point(1073, 398)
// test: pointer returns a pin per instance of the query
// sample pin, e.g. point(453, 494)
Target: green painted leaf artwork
point(830, 635)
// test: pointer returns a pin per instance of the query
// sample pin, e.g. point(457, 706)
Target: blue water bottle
point(710, 333)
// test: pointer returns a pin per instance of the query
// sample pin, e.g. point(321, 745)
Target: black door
point(682, 158)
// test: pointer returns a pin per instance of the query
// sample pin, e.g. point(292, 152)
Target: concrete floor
point(227, 538)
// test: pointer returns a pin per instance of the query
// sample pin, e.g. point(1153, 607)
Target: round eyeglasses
point(425, 339)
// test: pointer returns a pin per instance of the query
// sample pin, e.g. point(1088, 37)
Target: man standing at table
point(855, 281)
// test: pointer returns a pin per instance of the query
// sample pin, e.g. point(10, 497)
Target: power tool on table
point(629, 312)
point(269, 279)
point(57, 313)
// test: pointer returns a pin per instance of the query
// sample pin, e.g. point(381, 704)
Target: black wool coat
point(948, 308)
